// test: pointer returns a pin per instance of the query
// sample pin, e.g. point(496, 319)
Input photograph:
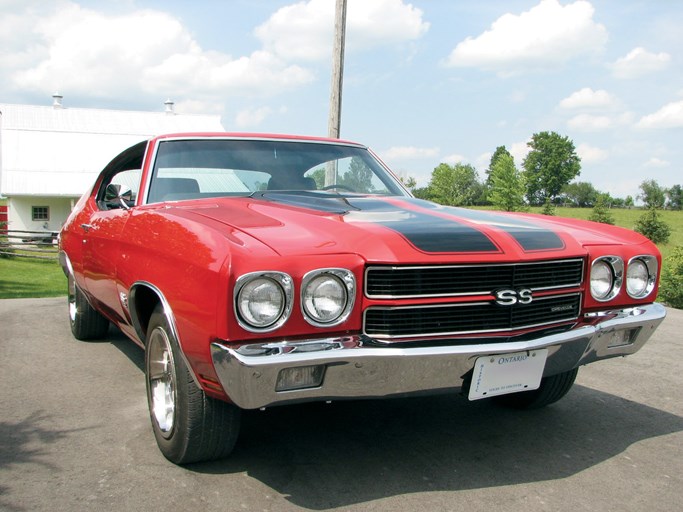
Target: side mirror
point(115, 196)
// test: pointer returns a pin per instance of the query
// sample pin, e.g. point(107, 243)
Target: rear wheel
point(86, 323)
point(551, 390)
point(188, 425)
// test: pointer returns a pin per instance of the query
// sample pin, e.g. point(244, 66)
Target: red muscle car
point(260, 270)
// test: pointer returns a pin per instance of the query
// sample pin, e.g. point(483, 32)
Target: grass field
point(20, 278)
point(628, 218)
point(29, 278)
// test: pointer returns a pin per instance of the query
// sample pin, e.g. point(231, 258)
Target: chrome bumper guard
point(249, 373)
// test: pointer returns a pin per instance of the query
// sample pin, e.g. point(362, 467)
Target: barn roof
point(56, 151)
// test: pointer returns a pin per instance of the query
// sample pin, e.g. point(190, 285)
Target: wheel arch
point(143, 299)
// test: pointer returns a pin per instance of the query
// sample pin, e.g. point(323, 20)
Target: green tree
point(580, 193)
point(319, 177)
point(550, 165)
point(500, 152)
point(601, 211)
point(359, 177)
point(455, 185)
point(675, 195)
point(423, 193)
point(652, 226)
point(629, 202)
point(548, 207)
point(507, 185)
point(652, 194)
point(409, 182)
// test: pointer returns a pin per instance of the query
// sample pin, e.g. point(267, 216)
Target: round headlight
point(639, 277)
point(602, 280)
point(327, 296)
point(263, 300)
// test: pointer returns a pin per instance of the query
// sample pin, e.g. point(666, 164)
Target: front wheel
point(551, 390)
point(188, 425)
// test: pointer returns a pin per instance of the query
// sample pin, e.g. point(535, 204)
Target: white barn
point(50, 155)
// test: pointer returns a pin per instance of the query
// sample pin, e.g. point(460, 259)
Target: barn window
point(40, 212)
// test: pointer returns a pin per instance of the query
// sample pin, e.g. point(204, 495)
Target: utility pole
point(334, 120)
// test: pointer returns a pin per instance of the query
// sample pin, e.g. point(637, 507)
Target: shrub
point(652, 226)
point(548, 208)
point(671, 287)
point(600, 212)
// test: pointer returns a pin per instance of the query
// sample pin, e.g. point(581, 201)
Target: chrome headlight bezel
point(614, 266)
point(651, 266)
point(345, 283)
point(243, 294)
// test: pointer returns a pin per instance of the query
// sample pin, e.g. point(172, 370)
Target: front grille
point(444, 281)
point(480, 317)
point(553, 287)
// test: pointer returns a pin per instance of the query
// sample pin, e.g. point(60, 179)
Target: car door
point(102, 240)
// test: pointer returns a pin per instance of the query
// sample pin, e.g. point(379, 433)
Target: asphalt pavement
point(75, 435)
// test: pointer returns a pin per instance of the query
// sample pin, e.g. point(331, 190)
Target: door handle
point(86, 227)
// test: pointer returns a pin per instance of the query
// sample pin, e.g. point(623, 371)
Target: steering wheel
point(342, 187)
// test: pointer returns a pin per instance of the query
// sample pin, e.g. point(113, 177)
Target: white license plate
point(507, 373)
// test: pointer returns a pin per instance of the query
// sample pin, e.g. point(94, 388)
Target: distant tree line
point(546, 179)
point(547, 176)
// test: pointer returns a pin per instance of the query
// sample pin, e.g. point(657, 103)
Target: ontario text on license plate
point(507, 373)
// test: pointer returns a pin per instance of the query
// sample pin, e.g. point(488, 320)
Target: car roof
point(254, 136)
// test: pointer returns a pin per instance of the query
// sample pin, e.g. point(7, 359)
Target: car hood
point(387, 229)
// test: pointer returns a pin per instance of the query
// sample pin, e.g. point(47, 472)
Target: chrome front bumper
point(249, 373)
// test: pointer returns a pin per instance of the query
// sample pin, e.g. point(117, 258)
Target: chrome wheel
point(86, 322)
point(73, 308)
point(161, 379)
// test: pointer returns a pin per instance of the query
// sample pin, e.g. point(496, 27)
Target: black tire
point(552, 389)
point(86, 323)
point(188, 425)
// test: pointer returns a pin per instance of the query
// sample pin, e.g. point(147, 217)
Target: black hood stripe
point(428, 232)
point(528, 235)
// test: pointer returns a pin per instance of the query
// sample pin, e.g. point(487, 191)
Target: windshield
point(189, 169)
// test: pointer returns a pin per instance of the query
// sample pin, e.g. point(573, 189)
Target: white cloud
point(453, 159)
point(589, 123)
point(482, 161)
point(590, 154)
point(199, 107)
point(587, 98)
point(669, 116)
point(519, 151)
point(544, 35)
point(639, 62)
point(304, 30)
point(656, 163)
point(398, 153)
point(249, 118)
point(129, 53)
point(80, 50)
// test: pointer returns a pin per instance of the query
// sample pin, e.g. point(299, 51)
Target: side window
point(121, 189)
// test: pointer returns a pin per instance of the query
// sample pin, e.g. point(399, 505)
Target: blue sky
point(425, 81)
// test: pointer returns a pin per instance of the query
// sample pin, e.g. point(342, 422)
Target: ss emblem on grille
point(511, 297)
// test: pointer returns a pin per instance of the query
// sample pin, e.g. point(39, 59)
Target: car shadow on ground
point(327, 456)
point(322, 456)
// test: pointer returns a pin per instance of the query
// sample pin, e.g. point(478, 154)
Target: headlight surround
point(263, 300)
point(606, 277)
point(327, 296)
point(641, 276)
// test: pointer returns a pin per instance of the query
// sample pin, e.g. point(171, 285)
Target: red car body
point(378, 293)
